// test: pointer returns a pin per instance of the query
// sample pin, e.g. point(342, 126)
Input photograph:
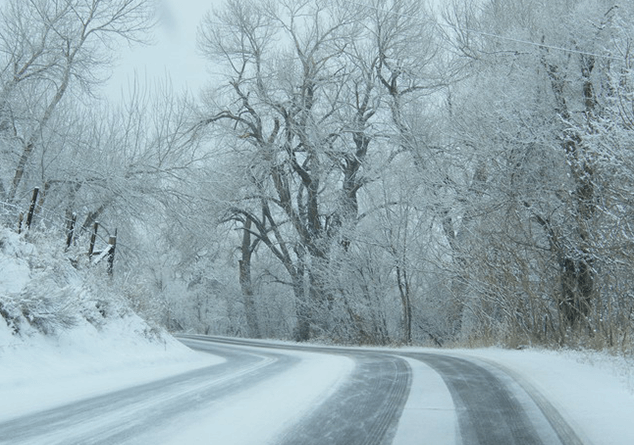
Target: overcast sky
point(174, 54)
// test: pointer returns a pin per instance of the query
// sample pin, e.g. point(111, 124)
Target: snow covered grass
point(41, 292)
point(46, 290)
point(619, 366)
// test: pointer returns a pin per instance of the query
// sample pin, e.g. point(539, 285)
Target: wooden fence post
point(71, 230)
point(93, 238)
point(29, 217)
point(112, 241)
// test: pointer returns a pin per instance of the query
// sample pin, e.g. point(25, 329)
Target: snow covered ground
point(75, 339)
point(594, 392)
point(262, 414)
point(65, 338)
point(42, 372)
point(591, 391)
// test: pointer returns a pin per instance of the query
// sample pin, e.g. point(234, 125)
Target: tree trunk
point(246, 283)
point(403, 287)
point(577, 282)
point(27, 151)
point(302, 311)
point(576, 273)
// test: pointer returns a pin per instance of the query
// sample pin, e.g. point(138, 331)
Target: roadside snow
point(61, 340)
point(42, 372)
point(592, 391)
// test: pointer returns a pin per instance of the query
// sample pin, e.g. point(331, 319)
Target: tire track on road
point(564, 431)
point(364, 412)
point(489, 412)
point(119, 416)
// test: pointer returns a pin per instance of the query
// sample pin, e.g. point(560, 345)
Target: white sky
point(174, 54)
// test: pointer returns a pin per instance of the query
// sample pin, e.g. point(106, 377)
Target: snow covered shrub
point(44, 290)
point(36, 289)
point(47, 316)
point(8, 317)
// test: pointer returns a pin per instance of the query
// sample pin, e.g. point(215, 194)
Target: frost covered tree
point(305, 114)
point(532, 122)
point(50, 51)
point(127, 166)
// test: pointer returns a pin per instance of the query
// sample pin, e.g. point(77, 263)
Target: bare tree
point(49, 48)
point(542, 192)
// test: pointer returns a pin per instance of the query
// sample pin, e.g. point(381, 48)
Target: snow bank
point(63, 338)
point(41, 371)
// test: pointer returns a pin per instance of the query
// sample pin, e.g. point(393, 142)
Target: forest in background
point(372, 172)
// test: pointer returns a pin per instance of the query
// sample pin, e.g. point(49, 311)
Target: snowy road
point(285, 394)
point(495, 408)
point(127, 415)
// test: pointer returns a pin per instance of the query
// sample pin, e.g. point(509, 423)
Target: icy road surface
point(285, 394)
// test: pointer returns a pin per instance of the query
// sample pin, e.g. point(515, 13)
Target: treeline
point(367, 172)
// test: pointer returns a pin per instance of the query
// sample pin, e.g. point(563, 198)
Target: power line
point(539, 45)
point(498, 36)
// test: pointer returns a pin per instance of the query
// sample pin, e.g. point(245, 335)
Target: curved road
point(491, 405)
point(495, 408)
